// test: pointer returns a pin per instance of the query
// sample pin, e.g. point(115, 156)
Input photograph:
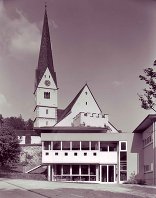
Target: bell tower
point(45, 83)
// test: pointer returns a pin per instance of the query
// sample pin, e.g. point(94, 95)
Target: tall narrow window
point(47, 95)
point(46, 111)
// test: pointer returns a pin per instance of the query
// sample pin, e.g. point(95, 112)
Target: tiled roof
point(45, 56)
point(69, 107)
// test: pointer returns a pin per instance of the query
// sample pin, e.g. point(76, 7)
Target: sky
point(106, 43)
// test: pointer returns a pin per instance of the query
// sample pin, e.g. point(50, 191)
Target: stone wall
point(31, 155)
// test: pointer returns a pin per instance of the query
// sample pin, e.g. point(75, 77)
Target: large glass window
point(123, 156)
point(58, 169)
point(75, 169)
point(113, 147)
point(103, 146)
point(66, 145)
point(123, 165)
point(123, 175)
point(84, 145)
point(84, 170)
point(92, 169)
point(66, 169)
point(74, 172)
point(75, 145)
point(94, 145)
point(56, 145)
point(47, 145)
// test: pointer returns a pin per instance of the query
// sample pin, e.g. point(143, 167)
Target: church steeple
point(46, 89)
point(45, 56)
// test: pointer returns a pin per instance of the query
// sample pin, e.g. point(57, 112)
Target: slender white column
point(97, 172)
point(52, 172)
point(49, 172)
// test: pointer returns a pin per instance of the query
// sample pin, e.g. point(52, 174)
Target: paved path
point(13, 188)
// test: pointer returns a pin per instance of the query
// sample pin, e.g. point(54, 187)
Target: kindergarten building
point(79, 143)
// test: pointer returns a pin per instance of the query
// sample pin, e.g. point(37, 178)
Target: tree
point(16, 123)
point(9, 147)
point(148, 99)
point(29, 124)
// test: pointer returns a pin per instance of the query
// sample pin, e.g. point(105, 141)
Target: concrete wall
point(49, 156)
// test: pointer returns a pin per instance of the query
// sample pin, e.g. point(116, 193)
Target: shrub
point(132, 180)
point(141, 182)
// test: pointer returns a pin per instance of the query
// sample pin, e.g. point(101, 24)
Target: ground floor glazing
point(106, 173)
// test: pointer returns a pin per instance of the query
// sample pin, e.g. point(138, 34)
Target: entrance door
point(108, 173)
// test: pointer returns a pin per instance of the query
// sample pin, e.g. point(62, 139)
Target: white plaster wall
point(101, 158)
point(47, 76)
point(89, 119)
point(52, 102)
point(35, 140)
point(41, 122)
point(80, 105)
point(41, 112)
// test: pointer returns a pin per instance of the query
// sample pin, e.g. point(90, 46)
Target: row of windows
point(83, 145)
point(75, 154)
point(77, 145)
point(74, 169)
point(148, 140)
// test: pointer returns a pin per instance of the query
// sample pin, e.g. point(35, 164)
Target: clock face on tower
point(47, 82)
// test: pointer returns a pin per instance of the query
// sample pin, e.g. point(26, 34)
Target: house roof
point(45, 56)
point(67, 110)
point(69, 107)
point(145, 123)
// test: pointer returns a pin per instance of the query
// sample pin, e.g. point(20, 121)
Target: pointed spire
point(45, 56)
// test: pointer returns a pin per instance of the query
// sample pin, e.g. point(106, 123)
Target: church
point(78, 143)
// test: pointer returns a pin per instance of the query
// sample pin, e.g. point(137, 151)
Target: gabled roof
point(145, 123)
point(45, 56)
point(69, 107)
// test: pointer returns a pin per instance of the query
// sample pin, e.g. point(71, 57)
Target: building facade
point(147, 155)
point(78, 143)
